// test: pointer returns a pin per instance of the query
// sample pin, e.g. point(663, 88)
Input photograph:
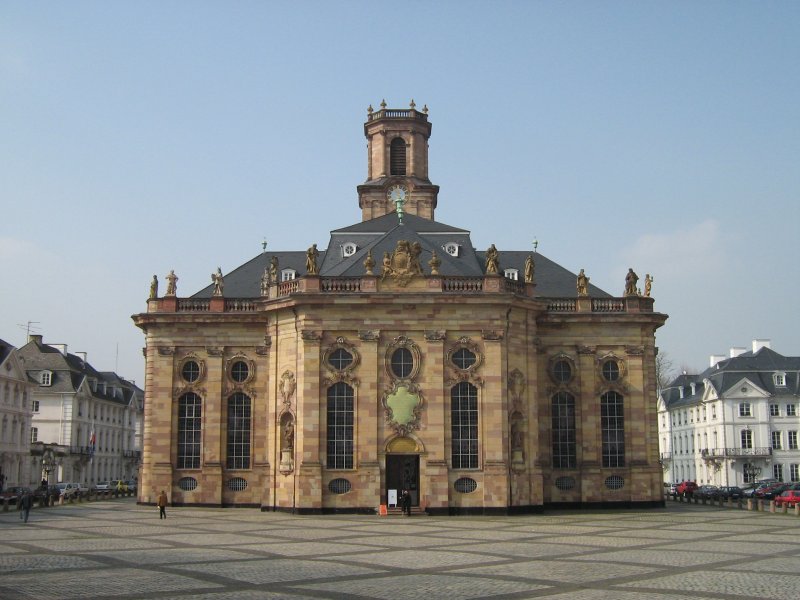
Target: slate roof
point(69, 372)
point(381, 235)
point(757, 367)
point(5, 350)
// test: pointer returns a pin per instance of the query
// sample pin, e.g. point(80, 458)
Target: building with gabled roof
point(735, 422)
point(15, 418)
point(400, 357)
point(92, 420)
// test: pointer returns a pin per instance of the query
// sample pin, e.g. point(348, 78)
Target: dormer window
point(349, 249)
point(288, 274)
point(779, 379)
point(512, 274)
point(452, 248)
point(46, 378)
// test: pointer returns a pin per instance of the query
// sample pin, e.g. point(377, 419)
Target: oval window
point(615, 482)
point(340, 359)
point(236, 484)
point(464, 358)
point(190, 371)
point(339, 486)
point(240, 371)
point(562, 371)
point(402, 362)
point(465, 485)
point(187, 484)
point(610, 370)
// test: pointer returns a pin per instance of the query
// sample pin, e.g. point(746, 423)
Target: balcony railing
point(734, 452)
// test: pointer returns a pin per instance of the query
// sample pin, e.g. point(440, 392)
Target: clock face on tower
point(397, 193)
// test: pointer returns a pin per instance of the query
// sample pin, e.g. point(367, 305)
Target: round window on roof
point(562, 371)
point(610, 370)
point(402, 362)
point(190, 371)
point(240, 371)
point(340, 359)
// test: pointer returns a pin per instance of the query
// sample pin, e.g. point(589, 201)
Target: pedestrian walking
point(25, 504)
point(162, 505)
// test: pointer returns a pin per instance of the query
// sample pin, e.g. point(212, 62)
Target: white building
point(91, 420)
point(15, 418)
point(734, 423)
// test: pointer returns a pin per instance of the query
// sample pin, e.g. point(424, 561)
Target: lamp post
point(49, 464)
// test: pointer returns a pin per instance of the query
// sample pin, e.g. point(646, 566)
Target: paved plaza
point(117, 549)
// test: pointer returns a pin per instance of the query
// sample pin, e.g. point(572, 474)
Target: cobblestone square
point(118, 550)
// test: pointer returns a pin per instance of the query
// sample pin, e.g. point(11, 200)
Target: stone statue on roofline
point(434, 263)
point(154, 288)
point(172, 283)
point(492, 261)
point(265, 282)
point(630, 283)
point(311, 260)
point(369, 263)
point(529, 268)
point(582, 284)
point(648, 285)
point(273, 269)
point(216, 279)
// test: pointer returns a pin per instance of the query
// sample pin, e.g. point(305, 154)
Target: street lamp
point(49, 464)
point(751, 472)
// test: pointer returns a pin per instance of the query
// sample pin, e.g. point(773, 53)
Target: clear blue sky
point(141, 137)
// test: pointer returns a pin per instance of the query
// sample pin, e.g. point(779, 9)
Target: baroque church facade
point(400, 358)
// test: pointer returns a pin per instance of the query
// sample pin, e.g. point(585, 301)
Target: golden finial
point(413, 104)
point(369, 109)
point(383, 103)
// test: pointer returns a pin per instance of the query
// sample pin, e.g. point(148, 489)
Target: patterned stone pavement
point(118, 550)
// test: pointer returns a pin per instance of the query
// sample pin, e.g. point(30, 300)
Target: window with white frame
point(792, 440)
point(747, 439)
point(794, 472)
point(452, 248)
point(777, 471)
point(774, 410)
point(349, 249)
point(791, 410)
point(36, 406)
point(34, 434)
point(779, 379)
point(713, 411)
point(776, 440)
point(745, 410)
point(288, 274)
point(512, 274)
point(45, 378)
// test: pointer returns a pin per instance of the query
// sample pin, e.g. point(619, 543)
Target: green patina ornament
point(403, 402)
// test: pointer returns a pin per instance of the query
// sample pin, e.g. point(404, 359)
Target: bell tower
point(397, 163)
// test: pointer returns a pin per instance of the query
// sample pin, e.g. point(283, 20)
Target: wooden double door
point(402, 473)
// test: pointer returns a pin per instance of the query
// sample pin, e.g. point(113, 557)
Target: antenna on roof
point(28, 328)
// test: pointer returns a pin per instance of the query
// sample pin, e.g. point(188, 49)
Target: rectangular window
point(747, 439)
point(34, 434)
point(794, 472)
point(780, 379)
point(238, 431)
point(777, 471)
point(713, 411)
point(792, 440)
point(464, 425)
point(564, 438)
point(190, 424)
point(774, 410)
point(612, 423)
point(744, 409)
point(776, 440)
point(791, 410)
point(35, 406)
point(340, 426)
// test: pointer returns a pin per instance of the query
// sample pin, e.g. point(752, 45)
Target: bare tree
point(664, 367)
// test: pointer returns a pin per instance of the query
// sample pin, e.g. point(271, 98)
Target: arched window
point(190, 412)
point(464, 425)
point(402, 362)
point(340, 426)
point(612, 423)
point(564, 440)
point(397, 162)
point(238, 431)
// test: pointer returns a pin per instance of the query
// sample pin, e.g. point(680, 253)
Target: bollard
point(750, 504)
point(5, 504)
point(772, 506)
point(797, 510)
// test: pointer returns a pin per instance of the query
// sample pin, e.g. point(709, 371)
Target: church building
point(398, 358)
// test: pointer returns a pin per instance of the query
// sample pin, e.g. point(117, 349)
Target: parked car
point(68, 490)
point(705, 492)
point(731, 492)
point(671, 489)
point(118, 485)
point(770, 492)
point(103, 486)
point(132, 486)
point(82, 488)
point(789, 498)
point(13, 493)
point(686, 488)
point(750, 490)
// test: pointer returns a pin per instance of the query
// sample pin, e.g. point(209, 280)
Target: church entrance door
point(402, 473)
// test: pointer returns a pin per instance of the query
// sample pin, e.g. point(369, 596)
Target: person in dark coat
point(25, 504)
point(406, 503)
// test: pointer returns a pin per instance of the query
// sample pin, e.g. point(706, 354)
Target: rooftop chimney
point(33, 337)
point(737, 350)
point(82, 356)
point(60, 347)
point(759, 344)
point(716, 358)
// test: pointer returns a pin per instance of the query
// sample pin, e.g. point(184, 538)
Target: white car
point(68, 490)
point(103, 486)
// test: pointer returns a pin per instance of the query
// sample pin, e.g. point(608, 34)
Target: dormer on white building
point(46, 378)
point(288, 274)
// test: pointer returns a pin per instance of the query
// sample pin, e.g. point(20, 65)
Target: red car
point(686, 488)
point(789, 498)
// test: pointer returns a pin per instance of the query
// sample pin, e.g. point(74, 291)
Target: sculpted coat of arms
point(402, 264)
